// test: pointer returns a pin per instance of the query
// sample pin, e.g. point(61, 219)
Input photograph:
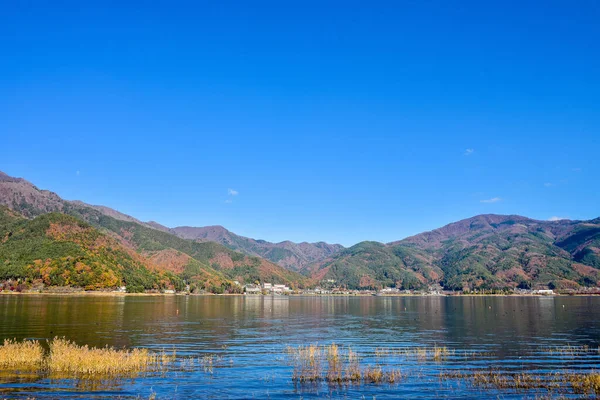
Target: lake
point(243, 346)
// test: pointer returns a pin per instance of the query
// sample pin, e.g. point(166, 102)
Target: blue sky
point(336, 121)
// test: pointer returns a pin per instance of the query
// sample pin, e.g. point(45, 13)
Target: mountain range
point(23, 196)
point(290, 255)
point(209, 265)
point(485, 251)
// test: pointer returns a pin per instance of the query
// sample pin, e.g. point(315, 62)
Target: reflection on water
point(249, 334)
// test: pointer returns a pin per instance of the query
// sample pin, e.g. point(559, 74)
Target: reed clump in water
point(499, 380)
point(373, 374)
point(440, 353)
point(335, 365)
point(22, 356)
point(68, 357)
point(307, 363)
point(352, 370)
point(586, 383)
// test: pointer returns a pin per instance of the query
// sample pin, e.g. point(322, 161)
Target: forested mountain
point(483, 252)
point(210, 264)
point(59, 250)
point(293, 256)
point(19, 194)
point(486, 251)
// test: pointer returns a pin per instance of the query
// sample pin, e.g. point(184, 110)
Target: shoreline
point(121, 294)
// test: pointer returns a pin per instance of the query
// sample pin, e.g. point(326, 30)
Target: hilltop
point(21, 195)
point(59, 250)
point(485, 251)
point(210, 264)
point(293, 256)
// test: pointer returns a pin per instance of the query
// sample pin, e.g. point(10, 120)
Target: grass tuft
point(23, 356)
point(342, 366)
point(582, 383)
point(68, 357)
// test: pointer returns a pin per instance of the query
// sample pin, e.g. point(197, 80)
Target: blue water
point(247, 338)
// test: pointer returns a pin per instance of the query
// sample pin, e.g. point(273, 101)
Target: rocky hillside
point(486, 251)
point(210, 264)
point(19, 194)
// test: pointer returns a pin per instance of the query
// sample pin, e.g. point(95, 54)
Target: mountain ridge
point(487, 251)
point(484, 251)
point(21, 194)
point(212, 264)
point(286, 253)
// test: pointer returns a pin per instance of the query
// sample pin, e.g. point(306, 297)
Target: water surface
point(247, 336)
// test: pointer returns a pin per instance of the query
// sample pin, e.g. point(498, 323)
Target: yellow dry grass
point(342, 366)
point(307, 363)
point(353, 373)
point(68, 357)
point(585, 383)
point(373, 374)
point(582, 383)
point(334, 364)
point(24, 356)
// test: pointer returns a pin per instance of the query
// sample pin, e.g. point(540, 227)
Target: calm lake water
point(248, 337)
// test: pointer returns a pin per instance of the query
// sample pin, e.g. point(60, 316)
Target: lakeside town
point(327, 287)
point(432, 290)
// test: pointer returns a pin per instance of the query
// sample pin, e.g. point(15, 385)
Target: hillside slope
point(210, 263)
point(486, 251)
point(59, 250)
point(290, 255)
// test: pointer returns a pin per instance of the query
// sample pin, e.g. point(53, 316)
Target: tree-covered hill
point(290, 255)
point(210, 265)
point(373, 264)
point(483, 252)
point(60, 250)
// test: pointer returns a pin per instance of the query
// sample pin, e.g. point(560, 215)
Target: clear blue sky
point(336, 121)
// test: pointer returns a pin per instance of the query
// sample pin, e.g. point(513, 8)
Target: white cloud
point(492, 200)
point(548, 184)
point(556, 218)
point(228, 201)
point(232, 192)
point(468, 152)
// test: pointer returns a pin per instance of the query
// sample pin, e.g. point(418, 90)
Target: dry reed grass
point(582, 383)
point(307, 363)
point(70, 359)
point(23, 356)
point(585, 383)
point(352, 370)
point(342, 366)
